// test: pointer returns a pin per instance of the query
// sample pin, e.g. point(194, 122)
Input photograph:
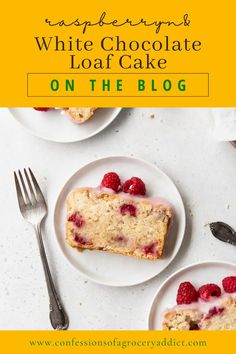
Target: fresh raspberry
point(111, 180)
point(128, 209)
point(229, 284)
point(42, 109)
point(134, 186)
point(186, 293)
point(208, 290)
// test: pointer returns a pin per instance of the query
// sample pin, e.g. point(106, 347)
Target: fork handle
point(57, 314)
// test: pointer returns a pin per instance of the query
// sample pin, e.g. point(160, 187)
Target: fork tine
point(39, 193)
point(20, 197)
point(32, 194)
point(27, 199)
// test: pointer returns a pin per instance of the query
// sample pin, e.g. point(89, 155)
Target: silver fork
point(34, 209)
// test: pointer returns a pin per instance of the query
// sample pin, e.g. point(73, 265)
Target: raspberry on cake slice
point(100, 219)
point(42, 109)
point(229, 284)
point(80, 115)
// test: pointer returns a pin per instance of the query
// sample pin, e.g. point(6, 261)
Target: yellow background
point(18, 341)
point(213, 23)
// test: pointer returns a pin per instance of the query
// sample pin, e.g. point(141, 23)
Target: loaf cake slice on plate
point(100, 219)
point(77, 115)
point(80, 115)
point(206, 308)
point(215, 315)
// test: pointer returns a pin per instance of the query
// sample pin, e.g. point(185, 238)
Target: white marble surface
point(180, 142)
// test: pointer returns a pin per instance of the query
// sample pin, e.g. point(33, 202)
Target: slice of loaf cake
point(221, 317)
point(215, 315)
point(182, 319)
point(102, 220)
point(80, 115)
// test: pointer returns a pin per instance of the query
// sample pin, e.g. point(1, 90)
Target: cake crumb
point(152, 116)
point(190, 212)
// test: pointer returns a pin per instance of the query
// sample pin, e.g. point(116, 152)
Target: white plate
point(112, 269)
point(57, 127)
point(198, 274)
